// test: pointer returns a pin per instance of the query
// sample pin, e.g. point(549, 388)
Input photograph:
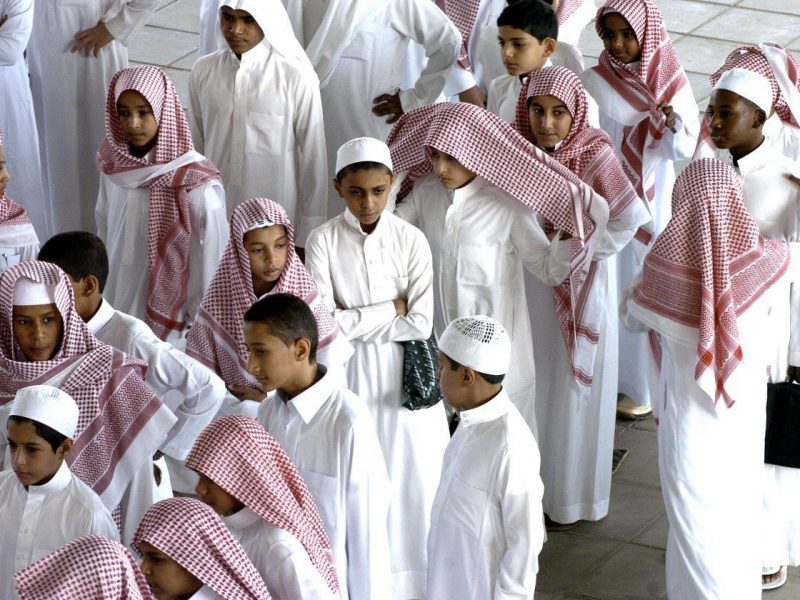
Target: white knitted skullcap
point(477, 342)
point(47, 405)
point(748, 84)
point(363, 149)
point(28, 292)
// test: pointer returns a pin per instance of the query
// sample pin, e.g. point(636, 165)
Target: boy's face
point(451, 173)
point(268, 250)
point(32, 456)
point(240, 30)
point(619, 38)
point(365, 191)
point(139, 125)
point(733, 123)
point(451, 382)
point(221, 501)
point(271, 362)
point(166, 578)
point(5, 176)
point(521, 52)
point(550, 120)
point(38, 330)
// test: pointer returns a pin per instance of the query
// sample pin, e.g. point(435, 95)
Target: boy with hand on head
point(18, 240)
point(256, 112)
point(486, 526)
point(327, 433)
point(376, 270)
point(44, 504)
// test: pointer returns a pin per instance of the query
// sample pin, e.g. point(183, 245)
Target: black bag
point(420, 364)
point(782, 440)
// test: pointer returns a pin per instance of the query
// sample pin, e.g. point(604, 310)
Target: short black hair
point(492, 379)
point(78, 253)
point(50, 435)
point(534, 17)
point(288, 317)
point(362, 166)
point(755, 107)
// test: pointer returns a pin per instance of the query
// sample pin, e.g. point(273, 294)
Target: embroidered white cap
point(748, 84)
point(363, 149)
point(477, 342)
point(28, 292)
point(47, 405)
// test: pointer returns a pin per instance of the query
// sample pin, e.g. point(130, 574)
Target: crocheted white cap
point(363, 149)
point(47, 405)
point(477, 342)
point(28, 292)
point(748, 84)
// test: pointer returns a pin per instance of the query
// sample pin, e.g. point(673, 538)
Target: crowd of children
point(210, 371)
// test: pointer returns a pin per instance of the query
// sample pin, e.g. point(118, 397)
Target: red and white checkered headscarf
point(237, 454)
point(658, 78)
point(485, 144)
point(11, 213)
point(88, 567)
point(708, 266)
point(169, 227)
point(216, 338)
point(567, 8)
point(121, 422)
point(463, 14)
point(192, 535)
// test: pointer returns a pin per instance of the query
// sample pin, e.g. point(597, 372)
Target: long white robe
point(209, 11)
point(364, 274)
point(69, 95)
point(17, 120)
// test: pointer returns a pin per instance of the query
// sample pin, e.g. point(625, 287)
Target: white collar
point(307, 403)
point(101, 318)
point(491, 410)
point(469, 190)
point(204, 593)
point(353, 222)
point(57, 483)
point(755, 159)
point(241, 519)
point(258, 53)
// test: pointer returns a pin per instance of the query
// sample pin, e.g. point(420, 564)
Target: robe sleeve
point(423, 22)
point(408, 210)
point(289, 573)
point(16, 31)
point(195, 116)
point(459, 80)
point(131, 18)
point(794, 307)
point(548, 260)
point(681, 144)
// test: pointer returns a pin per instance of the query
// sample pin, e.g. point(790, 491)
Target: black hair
point(534, 17)
point(288, 317)
point(492, 379)
point(362, 166)
point(50, 435)
point(753, 106)
point(78, 253)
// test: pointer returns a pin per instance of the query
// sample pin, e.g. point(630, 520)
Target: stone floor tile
point(682, 16)
point(649, 424)
point(655, 534)
point(545, 595)
point(789, 591)
point(187, 62)
point(632, 573)
point(701, 86)
point(181, 80)
point(702, 55)
point(566, 557)
point(641, 466)
point(632, 507)
point(748, 26)
point(781, 6)
point(156, 46)
point(183, 15)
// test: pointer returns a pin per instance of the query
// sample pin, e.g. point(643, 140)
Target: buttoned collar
point(253, 56)
point(493, 409)
point(242, 519)
point(466, 192)
point(57, 483)
point(354, 223)
point(101, 318)
point(307, 403)
point(755, 159)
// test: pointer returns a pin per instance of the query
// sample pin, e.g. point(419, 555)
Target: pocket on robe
point(477, 265)
point(265, 133)
point(464, 507)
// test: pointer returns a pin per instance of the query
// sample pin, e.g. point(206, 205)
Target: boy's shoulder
point(326, 229)
point(209, 61)
point(81, 495)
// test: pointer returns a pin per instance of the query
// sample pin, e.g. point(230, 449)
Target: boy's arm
point(548, 260)
point(682, 143)
point(16, 23)
point(407, 210)
point(130, 18)
point(195, 116)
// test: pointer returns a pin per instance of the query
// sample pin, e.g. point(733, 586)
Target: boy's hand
point(387, 104)
point(92, 40)
point(670, 114)
point(401, 307)
point(473, 95)
point(561, 235)
point(245, 392)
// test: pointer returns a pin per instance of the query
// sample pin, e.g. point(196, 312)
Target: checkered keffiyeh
point(216, 338)
point(237, 454)
point(192, 535)
point(658, 78)
point(11, 213)
point(89, 567)
point(490, 147)
point(169, 227)
point(463, 14)
point(708, 266)
point(120, 423)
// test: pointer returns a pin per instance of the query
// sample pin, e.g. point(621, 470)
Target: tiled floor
point(622, 556)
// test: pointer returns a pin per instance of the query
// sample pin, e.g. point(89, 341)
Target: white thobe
point(259, 119)
point(122, 211)
point(41, 519)
point(328, 434)
point(782, 136)
point(634, 347)
point(711, 457)
point(17, 120)
point(205, 593)
point(363, 274)
point(209, 24)
point(69, 95)
point(483, 237)
point(279, 558)
point(486, 527)
point(18, 243)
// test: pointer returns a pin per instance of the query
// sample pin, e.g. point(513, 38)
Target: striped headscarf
point(11, 213)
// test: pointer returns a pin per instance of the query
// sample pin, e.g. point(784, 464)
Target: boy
point(44, 504)
point(193, 392)
point(256, 113)
point(486, 526)
point(327, 433)
point(18, 239)
point(376, 270)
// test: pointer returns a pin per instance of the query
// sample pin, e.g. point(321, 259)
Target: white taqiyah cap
point(47, 405)
point(477, 342)
point(748, 84)
point(28, 292)
point(363, 149)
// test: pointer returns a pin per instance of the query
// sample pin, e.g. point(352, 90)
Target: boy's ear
point(759, 118)
point(549, 46)
point(64, 449)
point(91, 285)
point(302, 349)
point(470, 376)
point(337, 185)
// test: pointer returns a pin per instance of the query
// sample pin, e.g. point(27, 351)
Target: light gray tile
point(641, 466)
point(682, 16)
point(544, 595)
point(187, 62)
point(656, 534)
point(791, 7)
point(181, 80)
point(701, 55)
point(161, 47)
point(632, 507)
point(632, 573)
point(566, 557)
point(748, 26)
point(183, 15)
point(789, 591)
point(649, 424)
